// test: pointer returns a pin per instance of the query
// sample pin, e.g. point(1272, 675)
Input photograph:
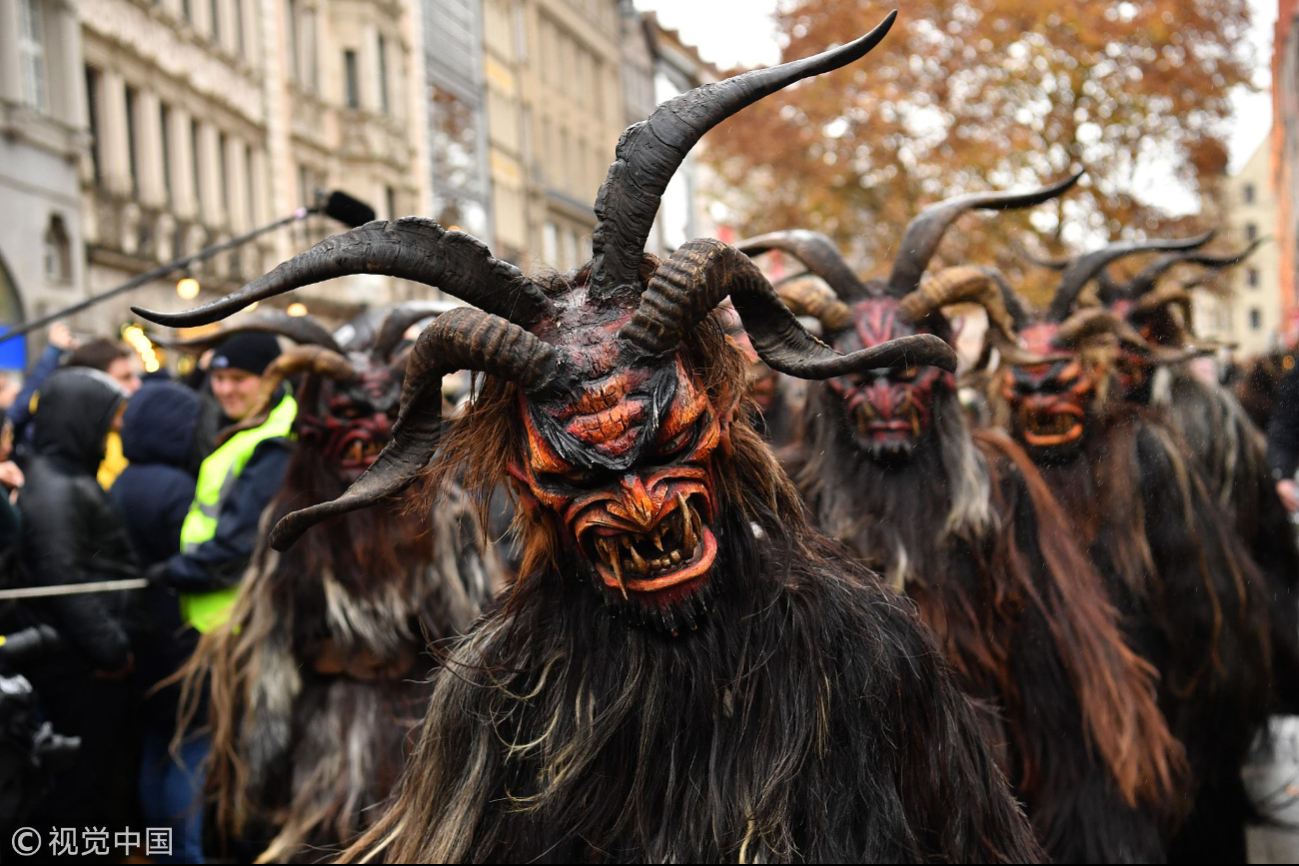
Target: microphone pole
point(339, 205)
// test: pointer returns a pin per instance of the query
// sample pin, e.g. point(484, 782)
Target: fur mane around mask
point(557, 728)
point(968, 529)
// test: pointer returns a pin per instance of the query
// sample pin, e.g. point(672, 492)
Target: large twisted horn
point(964, 284)
point(303, 330)
point(411, 248)
point(923, 234)
point(695, 279)
point(1093, 322)
point(808, 298)
point(461, 339)
point(317, 360)
point(396, 324)
point(817, 252)
point(1085, 268)
point(650, 152)
point(1144, 282)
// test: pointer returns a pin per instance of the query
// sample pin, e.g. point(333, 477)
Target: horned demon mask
point(1057, 375)
point(890, 411)
point(622, 441)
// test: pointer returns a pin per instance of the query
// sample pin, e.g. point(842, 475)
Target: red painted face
point(356, 422)
point(624, 468)
point(1050, 402)
point(890, 410)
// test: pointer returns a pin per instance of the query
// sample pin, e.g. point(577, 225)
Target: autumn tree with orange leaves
point(968, 95)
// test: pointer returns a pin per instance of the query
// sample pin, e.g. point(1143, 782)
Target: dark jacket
point(71, 534)
point(20, 412)
point(154, 492)
point(1283, 430)
point(153, 495)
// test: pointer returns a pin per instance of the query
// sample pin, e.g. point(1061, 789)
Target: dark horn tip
point(171, 320)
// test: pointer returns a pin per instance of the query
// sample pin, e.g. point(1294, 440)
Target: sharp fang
point(915, 423)
point(637, 560)
point(687, 524)
point(658, 539)
point(617, 573)
point(676, 556)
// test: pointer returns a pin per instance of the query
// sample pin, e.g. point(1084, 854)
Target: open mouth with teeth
point(887, 433)
point(357, 453)
point(670, 561)
point(1052, 424)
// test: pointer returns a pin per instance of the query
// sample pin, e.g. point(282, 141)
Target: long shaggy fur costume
point(967, 528)
point(808, 719)
point(1192, 603)
point(322, 672)
point(1232, 455)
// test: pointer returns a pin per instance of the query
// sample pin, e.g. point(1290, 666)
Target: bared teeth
point(915, 423)
point(638, 561)
point(676, 556)
point(658, 538)
point(687, 524)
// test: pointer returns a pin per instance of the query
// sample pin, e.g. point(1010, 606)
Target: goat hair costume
point(964, 524)
point(684, 670)
point(1191, 600)
point(321, 674)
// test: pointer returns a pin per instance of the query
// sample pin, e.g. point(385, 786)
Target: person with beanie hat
point(235, 482)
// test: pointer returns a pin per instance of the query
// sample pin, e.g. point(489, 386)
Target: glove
point(158, 576)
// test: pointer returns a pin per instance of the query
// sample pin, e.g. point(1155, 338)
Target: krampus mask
point(892, 410)
point(1058, 370)
point(620, 435)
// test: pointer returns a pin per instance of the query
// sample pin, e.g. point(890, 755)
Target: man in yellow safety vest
point(235, 484)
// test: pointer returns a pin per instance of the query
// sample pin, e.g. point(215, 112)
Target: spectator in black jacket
point(71, 534)
point(153, 495)
point(1283, 440)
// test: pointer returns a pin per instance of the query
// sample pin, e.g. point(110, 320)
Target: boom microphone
point(349, 211)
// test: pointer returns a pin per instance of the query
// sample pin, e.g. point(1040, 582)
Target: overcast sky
point(741, 32)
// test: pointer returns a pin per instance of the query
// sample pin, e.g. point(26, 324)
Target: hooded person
point(71, 534)
point(153, 496)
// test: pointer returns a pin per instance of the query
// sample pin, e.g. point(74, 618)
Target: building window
point(57, 249)
point(1255, 319)
point(390, 195)
point(186, 10)
point(550, 244)
point(196, 153)
point(308, 47)
point(383, 74)
point(92, 109)
point(1251, 231)
point(132, 139)
point(351, 82)
point(31, 51)
point(1249, 193)
point(293, 39)
point(214, 8)
point(251, 191)
point(164, 122)
point(223, 175)
point(1253, 278)
point(239, 27)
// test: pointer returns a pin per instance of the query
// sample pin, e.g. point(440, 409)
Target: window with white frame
point(31, 51)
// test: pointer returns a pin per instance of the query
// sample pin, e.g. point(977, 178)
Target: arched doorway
point(13, 353)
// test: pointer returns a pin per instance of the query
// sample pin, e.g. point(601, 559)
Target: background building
point(1249, 314)
point(1285, 158)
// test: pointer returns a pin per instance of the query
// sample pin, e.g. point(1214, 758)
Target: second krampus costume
point(963, 523)
point(1191, 599)
point(684, 670)
point(321, 673)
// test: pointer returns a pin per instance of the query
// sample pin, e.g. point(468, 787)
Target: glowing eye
point(675, 444)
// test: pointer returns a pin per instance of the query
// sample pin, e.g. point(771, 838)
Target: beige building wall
point(1250, 313)
point(555, 111)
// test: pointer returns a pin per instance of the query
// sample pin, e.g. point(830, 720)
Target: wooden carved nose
point(635, 503)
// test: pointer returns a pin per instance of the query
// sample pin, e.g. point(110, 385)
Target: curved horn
point(965, 284)
point(411, 248)
point(695, 279)
point(925, 231)
point(1041, 260)
point(317, 360)
point(817, 252)
point(461, 339)
point(808, 298)
point(303, 330)
point(1085, 268)
point(1145, 281)
point(1093, 322)
point(395, 325)
point(650, 152)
